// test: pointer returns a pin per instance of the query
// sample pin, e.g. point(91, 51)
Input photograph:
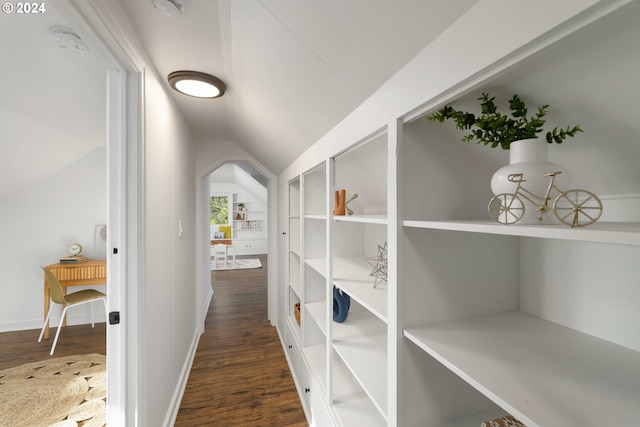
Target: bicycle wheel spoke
point(506, 208)
point(577, 208)
point(563, 218)
point(584, 201)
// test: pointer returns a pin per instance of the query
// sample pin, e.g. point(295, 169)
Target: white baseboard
point(25, 325)
point(178, 393)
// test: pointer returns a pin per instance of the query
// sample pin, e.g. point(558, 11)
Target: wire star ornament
point(379, 264)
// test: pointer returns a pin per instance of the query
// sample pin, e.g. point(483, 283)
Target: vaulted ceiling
point(52, 107)
point(294, 69)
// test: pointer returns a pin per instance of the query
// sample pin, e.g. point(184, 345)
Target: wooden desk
point(91, 272)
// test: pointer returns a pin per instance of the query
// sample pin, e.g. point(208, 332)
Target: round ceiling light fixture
point(197, 84)
point(170, 8)
point(66, 38)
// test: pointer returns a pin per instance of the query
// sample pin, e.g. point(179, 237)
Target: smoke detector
point(170, 8)
point(66, 38)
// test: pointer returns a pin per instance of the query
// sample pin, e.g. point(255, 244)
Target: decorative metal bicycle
point(575, 208)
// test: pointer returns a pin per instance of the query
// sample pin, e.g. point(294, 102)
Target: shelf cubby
point(317, 312)
point(316, 357)
point(540, 372)
point(362, 170)
point(351, 404)
point(314, 191)
point(361, 344)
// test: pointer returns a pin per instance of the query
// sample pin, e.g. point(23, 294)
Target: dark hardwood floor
point(240, 376)
point(17, 348)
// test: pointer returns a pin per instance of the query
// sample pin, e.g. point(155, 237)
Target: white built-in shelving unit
point(477, 320)
point(248, 222)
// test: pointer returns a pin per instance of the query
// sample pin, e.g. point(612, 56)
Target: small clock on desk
point(74, 249)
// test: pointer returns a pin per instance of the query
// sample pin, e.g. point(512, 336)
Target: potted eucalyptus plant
point(518, 133)
point(498, 129)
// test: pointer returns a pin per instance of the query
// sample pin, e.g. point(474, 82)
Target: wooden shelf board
point(627, 233)
point(361, 343)
point(538, 371)
point(317, 311)
point(367, 219)
point(352, 275)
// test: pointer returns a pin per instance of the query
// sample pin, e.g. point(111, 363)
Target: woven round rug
point(60, 392)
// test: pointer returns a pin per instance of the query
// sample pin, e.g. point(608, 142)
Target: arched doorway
point(241, 173)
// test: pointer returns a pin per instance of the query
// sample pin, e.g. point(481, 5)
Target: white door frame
point(125, 141)
point(203, 253)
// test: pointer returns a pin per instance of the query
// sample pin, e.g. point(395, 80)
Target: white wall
point(488, 34)
point(37, 225)
point(209, 152)
point(167, 319)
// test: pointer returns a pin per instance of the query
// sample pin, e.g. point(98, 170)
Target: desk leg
point(46, 308)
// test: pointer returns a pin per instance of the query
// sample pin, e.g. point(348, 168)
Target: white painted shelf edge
point(627, 233)
point(361, 343)
point(297, 288)
point(351, 405)
point(367, 219)
point(318, 264)
point(317, 311)
point(313, 216)
point(295, 249)
point(352, 275)
point(236, 239)
point(357, 410)
point(538, 371)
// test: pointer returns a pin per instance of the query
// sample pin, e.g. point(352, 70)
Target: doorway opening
point(237, 215)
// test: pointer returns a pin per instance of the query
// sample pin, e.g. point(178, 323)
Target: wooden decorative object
point(296, 312)
point(340, 202)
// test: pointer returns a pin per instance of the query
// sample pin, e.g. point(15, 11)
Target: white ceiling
point(294, 69)
point(52, 108)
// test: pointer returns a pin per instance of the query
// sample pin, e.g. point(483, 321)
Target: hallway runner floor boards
point(240, 376)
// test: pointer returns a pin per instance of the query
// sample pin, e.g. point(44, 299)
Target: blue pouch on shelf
point(341, 303)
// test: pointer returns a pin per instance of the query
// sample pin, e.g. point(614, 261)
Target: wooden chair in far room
point(71, 300)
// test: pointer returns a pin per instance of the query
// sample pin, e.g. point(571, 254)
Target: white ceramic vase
point(529, 157)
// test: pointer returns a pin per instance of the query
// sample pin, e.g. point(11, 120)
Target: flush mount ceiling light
point(199, 85)
point(66, 38)
point(170, 8)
